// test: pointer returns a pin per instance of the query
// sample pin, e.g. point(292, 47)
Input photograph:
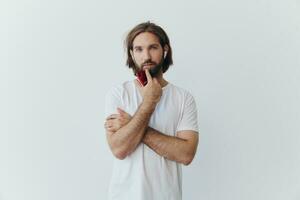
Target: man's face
point(147, 53)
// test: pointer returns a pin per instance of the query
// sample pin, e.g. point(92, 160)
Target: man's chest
point(166, 115)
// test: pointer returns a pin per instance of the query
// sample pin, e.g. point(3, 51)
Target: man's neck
point(161, 80)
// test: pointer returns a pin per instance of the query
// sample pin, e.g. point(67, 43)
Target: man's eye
point(138, 50)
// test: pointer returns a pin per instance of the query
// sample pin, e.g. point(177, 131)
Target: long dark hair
point(163, 40)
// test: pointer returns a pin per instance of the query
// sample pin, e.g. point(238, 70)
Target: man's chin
point(153, 69)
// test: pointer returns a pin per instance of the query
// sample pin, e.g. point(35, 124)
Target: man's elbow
point(188, 160)
point(119, 154)
point(117, 150)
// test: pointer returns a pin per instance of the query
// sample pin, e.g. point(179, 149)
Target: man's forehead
point(145, 39)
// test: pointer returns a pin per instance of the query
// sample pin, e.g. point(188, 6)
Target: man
point(151, 129)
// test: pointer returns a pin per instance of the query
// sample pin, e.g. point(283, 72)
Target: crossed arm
point(125, 133)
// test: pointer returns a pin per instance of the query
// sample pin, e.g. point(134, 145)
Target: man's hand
point(152, 91)
point(116, 121)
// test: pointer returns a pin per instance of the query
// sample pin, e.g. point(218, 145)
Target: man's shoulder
point(180, 90)
point(120, 87)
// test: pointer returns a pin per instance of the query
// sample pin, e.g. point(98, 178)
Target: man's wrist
point(148, 106)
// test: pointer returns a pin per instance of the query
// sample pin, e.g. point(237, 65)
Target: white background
point(240, 60)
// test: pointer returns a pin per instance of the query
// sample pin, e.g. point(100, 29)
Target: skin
point(124, 132)
point(146, 48)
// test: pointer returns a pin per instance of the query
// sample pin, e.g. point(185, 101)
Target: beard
point(155, 70)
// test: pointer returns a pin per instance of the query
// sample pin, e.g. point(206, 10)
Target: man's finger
point(107, 123)
point(138, 83)
point(149, 77)
point(121, 111)
point(113, 116)
point(111, 128)
point(106, 126)
point(155, 80)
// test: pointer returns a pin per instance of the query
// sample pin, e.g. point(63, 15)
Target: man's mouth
point(145, 66)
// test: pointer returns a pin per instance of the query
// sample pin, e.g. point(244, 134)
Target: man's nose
point(146, 55)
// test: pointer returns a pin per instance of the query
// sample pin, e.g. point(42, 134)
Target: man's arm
point(126, 139)
point(181, 148)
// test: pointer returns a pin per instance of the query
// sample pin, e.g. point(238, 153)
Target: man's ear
point(166, 49)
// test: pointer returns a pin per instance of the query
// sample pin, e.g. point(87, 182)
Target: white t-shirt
point(144, 174)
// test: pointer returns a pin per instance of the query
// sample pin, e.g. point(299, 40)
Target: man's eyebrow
point(137, 47)
point(151, 45)
point(154, 45)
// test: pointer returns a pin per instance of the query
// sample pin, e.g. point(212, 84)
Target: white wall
point(240, 59)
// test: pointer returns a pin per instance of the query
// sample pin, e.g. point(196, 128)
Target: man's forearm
point(127, 138)
point(170, 147)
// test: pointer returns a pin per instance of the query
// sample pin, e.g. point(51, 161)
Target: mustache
point(148, 63)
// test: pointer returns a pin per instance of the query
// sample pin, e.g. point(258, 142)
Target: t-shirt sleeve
point(189, 119)
point(112, 101)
